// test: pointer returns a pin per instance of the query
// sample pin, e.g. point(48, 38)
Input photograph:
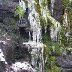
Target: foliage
point(19, 11)
point(65, 3)
point(63, 37)
point(51, 50)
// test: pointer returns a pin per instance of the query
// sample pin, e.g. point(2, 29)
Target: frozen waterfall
point(35, 44)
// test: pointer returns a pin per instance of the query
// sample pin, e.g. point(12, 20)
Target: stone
point(58, 9)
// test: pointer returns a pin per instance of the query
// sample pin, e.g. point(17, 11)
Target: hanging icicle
point(52, 6)
point(65, 21)
point(2, 57)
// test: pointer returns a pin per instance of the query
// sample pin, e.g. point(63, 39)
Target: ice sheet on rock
point(34, 44)
point(22, 66)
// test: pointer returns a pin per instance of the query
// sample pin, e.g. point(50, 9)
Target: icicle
point(22, 4)
point(35, 23)
point(52, 5)
point(29, 36)
point(4, 42)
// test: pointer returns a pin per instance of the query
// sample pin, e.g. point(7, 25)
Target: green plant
point(19, 11)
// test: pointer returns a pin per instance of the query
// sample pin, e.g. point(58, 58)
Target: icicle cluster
point(21, 66)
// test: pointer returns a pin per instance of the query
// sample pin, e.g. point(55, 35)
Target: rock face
point(15, 50)
point(65, 62)
point(8, 30)
point(7, 8)
point(57, 11)
point(24, 27)
point(21, 67)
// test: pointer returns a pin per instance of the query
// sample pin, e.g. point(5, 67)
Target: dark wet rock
point(43, 30)
point(14, 51)
point(24, 26)
point(65, 62)
point(21, 53)
point(7, 21)
point(7, 8)
point(8, 3)
point(9, 26)
point(7, 45)
point(24, 32)
point(2, 67)
point(6, 13)
point(13, 33)
point(24, 23)
point(15, 0)
point(58, 9)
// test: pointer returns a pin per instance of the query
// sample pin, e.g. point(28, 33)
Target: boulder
point(58, 9)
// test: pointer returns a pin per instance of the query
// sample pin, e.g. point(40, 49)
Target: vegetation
point(19, 11)
point(53, 49)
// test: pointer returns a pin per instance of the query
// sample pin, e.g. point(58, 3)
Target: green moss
point(50, 65)
point(19, 11)
point(65, 3)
